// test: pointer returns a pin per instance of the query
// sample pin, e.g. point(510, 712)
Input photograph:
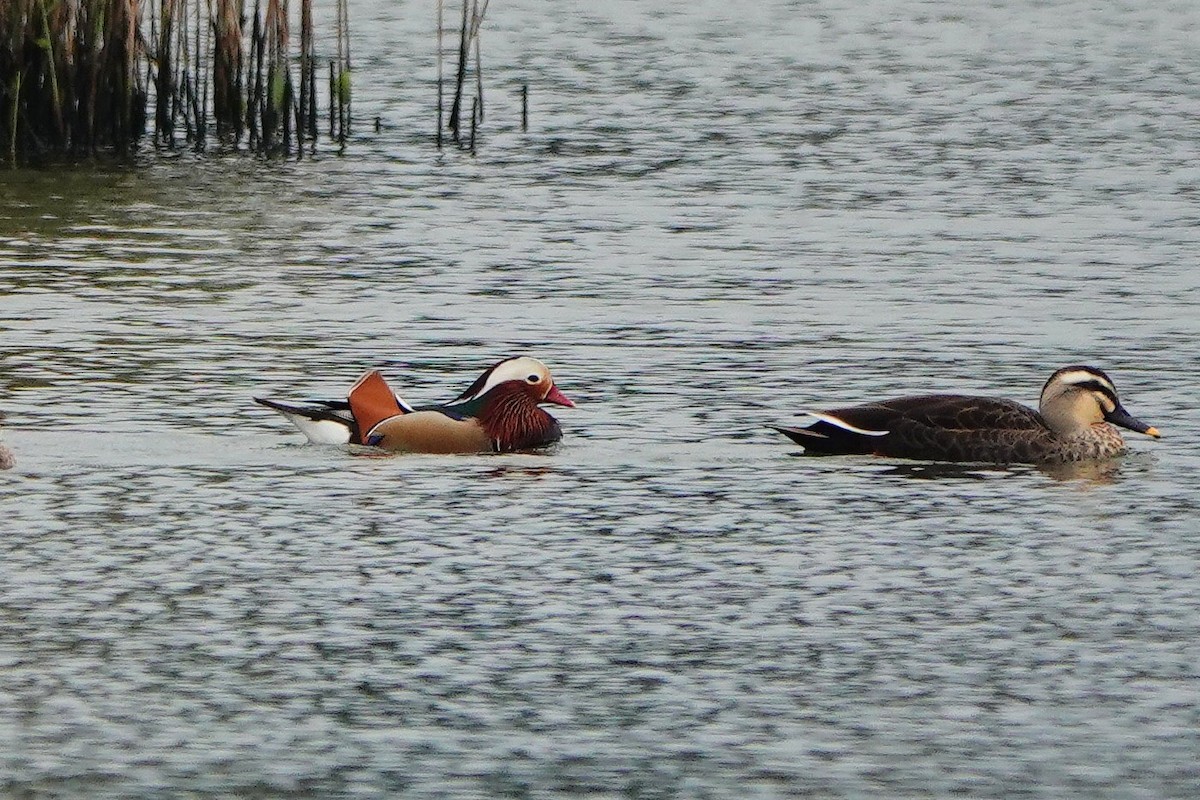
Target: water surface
point(722, 213)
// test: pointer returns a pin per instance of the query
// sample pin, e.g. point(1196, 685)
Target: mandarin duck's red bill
point(500, 412)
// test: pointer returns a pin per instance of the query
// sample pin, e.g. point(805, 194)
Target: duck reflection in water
point(1094, 472)
point(6, 457)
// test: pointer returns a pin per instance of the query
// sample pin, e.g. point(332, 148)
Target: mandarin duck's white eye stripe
point(520, 368)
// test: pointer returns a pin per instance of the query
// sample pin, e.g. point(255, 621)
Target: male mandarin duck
point(498, 413)
point(1077, 410)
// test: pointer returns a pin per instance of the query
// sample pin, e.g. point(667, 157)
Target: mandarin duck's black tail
point(322, 421)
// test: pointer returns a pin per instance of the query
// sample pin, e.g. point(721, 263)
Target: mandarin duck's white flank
point(1077, 411)
point(499, 412)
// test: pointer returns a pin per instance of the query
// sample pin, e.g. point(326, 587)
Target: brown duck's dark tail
point(823, 438)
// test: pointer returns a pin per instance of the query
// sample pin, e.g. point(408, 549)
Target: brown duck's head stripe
point(1082, 377)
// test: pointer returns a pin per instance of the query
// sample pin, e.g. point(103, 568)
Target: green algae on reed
point(80, 76)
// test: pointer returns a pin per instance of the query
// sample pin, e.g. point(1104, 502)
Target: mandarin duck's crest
point(1077, 411)
point(500, 412)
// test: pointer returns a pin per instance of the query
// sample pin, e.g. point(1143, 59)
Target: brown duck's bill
point(1119, 416)
point(558, 398)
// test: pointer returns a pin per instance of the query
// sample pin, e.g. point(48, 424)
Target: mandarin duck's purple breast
point(513, 420)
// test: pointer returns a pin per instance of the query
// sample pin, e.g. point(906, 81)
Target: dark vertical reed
point(254, 87)
point(164, 83)
point(476, 22)
point(274, 129)
point(342, 88)
point(304, 111)
point(441, 23)
point(332, 100)
point(461, 74)
point(229, 109)
point(476, 116)
point(200, 83)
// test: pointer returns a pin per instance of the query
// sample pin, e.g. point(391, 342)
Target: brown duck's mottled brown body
point(499, 413)
point(1077, 405)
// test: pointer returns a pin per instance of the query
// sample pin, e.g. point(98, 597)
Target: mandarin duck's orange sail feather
point(371, 402)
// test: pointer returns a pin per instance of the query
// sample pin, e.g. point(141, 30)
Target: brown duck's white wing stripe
point(841, 423)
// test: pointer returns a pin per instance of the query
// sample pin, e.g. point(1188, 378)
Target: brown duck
point(500, 412)
point(1077, 411)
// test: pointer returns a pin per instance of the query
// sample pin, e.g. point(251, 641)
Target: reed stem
point(468, 44)
point(440, 89)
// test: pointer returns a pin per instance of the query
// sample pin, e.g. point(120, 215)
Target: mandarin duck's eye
point(533, 378)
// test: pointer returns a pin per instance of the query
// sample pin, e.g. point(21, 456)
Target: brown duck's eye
point(533, 378)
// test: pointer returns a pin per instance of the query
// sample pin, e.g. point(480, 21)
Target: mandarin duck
point(497, 413)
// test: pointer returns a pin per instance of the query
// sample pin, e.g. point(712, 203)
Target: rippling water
point(722, 213)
